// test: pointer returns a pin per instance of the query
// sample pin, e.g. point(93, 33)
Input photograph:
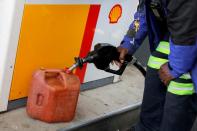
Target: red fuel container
point(53, 96)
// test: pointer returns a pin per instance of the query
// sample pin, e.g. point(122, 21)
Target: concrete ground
point(92, 104)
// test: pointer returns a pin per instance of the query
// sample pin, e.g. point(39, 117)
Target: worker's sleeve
point(182, 18)
point(133, 42)
point(182, 58)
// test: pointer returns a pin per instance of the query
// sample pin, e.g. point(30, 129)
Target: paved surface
point(92, 105)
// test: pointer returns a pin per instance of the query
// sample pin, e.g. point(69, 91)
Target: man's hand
point(123, 53)
point(164, 74)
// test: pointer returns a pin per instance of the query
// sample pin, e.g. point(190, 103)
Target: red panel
point(88, 37)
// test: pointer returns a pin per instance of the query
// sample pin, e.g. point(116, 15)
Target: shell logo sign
point(115, 13)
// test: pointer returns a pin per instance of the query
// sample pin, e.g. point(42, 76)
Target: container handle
point(39, 99)
point(55, 73)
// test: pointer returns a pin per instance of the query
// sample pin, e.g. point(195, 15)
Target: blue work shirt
point(149, 25)
point(183, 55)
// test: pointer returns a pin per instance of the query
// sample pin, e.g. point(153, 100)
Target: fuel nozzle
point(102, 55)
point(79, 62)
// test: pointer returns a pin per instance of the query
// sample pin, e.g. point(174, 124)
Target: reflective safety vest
point(179, 86)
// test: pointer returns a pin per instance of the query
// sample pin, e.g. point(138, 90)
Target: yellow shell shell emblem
point(115, 13)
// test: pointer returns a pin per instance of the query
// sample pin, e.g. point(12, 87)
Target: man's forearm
point(132, 40)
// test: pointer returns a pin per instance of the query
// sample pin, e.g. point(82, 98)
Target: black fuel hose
point(139, 66)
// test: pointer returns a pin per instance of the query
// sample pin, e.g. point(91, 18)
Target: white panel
point(110, 33)
point(10, 21)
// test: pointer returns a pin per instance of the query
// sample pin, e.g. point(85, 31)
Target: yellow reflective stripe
point(181, 88)
point(185, 76)
point(164, 47)
point(155, 62)
point(181, 92)
point(181, 85)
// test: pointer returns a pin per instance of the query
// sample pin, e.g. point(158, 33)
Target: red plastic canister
point(53, 96)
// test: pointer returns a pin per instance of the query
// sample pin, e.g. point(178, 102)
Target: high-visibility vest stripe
point(181, 88)
point(155, 62)
point(164, 47)
point(186, 76)
point(181, 92)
